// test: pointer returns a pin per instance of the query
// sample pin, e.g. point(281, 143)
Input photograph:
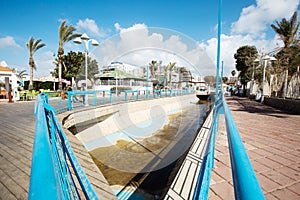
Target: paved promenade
point(17, 125)
point(272, 140)
point(17, 128)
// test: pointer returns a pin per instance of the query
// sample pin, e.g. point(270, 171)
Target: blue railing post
point(125, 96)
point(110, 96)
point(95, 98)
point(103, 97)
point(69, 100)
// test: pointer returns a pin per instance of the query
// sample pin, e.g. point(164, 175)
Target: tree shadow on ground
point(252, 106)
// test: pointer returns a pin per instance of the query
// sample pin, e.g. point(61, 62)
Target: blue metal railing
point(245, 183)
point(203, 182)
point(108, 96)
point(55, 172)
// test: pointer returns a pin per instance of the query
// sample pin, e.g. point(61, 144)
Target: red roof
point(5, 69)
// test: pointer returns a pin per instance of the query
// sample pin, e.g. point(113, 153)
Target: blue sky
point(245, 22)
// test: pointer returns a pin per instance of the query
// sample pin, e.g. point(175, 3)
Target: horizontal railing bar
point(43, 179)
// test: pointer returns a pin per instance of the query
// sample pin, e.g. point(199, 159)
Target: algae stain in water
point(148, 186)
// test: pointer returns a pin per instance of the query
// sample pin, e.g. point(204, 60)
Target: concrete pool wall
point(138, 116)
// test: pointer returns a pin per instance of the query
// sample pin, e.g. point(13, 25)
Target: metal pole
point(263, 81)
point(147, 83)
point(252, 81)
point(218, 49)
point(222, 74)
point(116, 83)
point(86, 103)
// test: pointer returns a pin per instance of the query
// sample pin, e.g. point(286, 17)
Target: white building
point(11, 82)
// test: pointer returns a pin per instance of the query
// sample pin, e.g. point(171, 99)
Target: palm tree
point(65, 35)
point(21, 74)
point(170, 68)
point(287, 30)
point(165, 75)
point(153, 65)
point(33, 46)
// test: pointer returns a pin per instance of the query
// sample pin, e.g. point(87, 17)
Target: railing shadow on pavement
point(55, 170)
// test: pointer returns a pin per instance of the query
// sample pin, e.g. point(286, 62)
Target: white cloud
point(44, 62)
point(230, 44)
point(255, 19)
point(139, 44)
point(90, 26)
point(8, 41)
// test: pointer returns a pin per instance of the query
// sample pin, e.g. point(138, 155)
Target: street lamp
point(86, 40)
point(266, 59)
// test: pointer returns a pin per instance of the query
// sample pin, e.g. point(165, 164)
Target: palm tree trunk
point(59, 75)
point(170, 79)
point(285, 83)
point(30, 87)
point(60, 54)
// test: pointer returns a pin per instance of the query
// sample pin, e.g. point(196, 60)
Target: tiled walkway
point(272, 141)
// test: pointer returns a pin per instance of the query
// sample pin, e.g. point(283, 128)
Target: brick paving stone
point(223, 190)
point(286, 194)
point(277, 177)
point(215, 178)
point(225, 159)
point(258, 167)
point(283, 148)
point(224, 172)
point(213, 196)
point(220, 149)
point(295, 188)
point(295, 166)
point(281, 159)
point(290, 172)
point(253, 155)
point(263, 152)
point(270, 196)
point(269, 163)
point(218, 164)
point(290, 156)
point(295, 153)
point(267, 184)
point(272, 150)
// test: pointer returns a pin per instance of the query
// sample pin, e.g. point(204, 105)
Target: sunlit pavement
point(271, 138)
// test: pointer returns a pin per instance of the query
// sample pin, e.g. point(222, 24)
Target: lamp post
point(252, 79)
point(86, 40)
point(266, 59)
point(147, 77)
